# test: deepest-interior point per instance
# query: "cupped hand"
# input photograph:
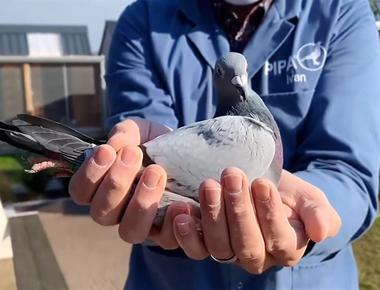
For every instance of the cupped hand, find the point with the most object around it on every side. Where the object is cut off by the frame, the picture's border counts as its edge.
(105, 179)
(259, 224)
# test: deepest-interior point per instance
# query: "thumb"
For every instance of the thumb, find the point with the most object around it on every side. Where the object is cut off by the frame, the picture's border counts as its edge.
(321, 221)
(311, 204)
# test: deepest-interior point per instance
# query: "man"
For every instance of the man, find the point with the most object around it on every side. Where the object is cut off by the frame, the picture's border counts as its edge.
(315, 65)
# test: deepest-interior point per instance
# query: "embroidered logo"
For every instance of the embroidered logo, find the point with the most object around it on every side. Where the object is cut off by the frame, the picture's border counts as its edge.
(311, 56)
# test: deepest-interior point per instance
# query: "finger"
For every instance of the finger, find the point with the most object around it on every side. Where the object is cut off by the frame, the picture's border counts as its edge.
(141, 210)
(85, 181)
(134, 131)
(320, 218)
(125, 133)
(281, 240)
(214, 220)
(245, 235)
(110, 199)
(188, 237)
(164, 236)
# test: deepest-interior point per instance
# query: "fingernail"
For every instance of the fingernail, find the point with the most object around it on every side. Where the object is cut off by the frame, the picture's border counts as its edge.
(263, 192)
(128, 156)
(183, 226)
(102, 157)
(212, 196)
(233, 183)
(151, 179)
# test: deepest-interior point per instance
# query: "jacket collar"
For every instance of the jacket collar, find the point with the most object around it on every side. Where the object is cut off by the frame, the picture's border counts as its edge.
(212, 43)
(206, 35)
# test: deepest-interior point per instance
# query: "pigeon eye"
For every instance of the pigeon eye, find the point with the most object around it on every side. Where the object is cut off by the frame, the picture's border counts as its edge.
(219, 71)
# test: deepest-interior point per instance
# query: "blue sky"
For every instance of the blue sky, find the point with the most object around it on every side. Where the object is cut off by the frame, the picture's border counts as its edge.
(92, 13)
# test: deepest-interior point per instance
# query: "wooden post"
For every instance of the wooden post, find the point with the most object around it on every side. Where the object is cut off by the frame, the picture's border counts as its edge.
(28, 89)
(5, 239)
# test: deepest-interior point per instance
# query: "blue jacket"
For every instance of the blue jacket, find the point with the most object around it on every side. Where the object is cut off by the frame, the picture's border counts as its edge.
(316, 65)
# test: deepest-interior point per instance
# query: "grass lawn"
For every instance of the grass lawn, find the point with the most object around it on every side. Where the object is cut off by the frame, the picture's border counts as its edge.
(12, 172)
(367, 251)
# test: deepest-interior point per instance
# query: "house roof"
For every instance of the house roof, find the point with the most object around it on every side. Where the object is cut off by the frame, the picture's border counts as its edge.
(107, 36)
(13, 38)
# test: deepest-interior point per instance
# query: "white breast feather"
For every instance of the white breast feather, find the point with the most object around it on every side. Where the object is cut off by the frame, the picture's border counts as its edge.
(203, 150)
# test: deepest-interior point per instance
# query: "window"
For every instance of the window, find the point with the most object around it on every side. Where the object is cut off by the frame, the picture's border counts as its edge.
(84, 105)
(49, 91)
(44, 44)
(11, 91)
(67, 91)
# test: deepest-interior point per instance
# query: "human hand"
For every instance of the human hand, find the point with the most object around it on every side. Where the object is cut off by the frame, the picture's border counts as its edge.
(263, 228)
(104, 180)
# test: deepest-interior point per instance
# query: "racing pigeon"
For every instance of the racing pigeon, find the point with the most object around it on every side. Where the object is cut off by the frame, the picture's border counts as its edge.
(243, 134)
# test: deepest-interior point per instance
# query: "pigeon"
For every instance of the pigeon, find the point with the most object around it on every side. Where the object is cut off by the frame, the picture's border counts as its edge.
(242, 133)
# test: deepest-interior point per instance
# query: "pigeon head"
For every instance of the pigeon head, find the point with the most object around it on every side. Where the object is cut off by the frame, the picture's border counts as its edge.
(231, 81)
(235, 94)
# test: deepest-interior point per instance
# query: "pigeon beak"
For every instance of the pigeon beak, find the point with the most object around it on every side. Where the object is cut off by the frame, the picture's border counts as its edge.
(240, 81)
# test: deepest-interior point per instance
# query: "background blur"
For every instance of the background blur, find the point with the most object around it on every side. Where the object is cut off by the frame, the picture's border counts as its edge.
(52, 63)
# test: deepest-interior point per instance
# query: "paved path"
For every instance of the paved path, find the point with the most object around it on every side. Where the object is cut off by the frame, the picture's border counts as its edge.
(7, 275)
(91, 257)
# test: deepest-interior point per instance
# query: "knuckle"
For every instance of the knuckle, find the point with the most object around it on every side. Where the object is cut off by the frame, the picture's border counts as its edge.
(114, 182)
(256, 270)
(290, 262)
(269, 216)
(80, 198)
(255, 261)
(213, 213)
(284, 253)
(139, 205)
(130, 237)
(239, 211)
(101, 217)
(118, 128)
(253, 267)
(276, 245)
(278, 250)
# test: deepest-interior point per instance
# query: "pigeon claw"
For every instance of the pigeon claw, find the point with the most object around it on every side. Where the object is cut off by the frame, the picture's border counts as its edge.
(41, 164)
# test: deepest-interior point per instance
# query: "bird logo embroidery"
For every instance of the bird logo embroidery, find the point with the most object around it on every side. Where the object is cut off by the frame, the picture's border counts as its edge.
(312, 56)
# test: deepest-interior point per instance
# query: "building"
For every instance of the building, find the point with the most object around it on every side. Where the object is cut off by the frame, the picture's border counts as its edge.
(44, 40)
(106, 38)
(49, 71)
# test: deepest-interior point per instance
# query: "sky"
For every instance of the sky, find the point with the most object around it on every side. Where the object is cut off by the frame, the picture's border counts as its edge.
(92, 13)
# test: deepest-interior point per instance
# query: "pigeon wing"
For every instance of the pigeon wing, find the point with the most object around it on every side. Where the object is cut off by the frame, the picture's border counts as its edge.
(57, 140)
(55, 126)
(12, 135)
